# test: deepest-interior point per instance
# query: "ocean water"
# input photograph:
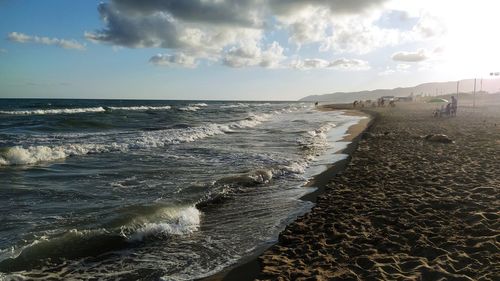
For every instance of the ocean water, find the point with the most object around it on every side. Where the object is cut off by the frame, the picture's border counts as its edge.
(170, 190)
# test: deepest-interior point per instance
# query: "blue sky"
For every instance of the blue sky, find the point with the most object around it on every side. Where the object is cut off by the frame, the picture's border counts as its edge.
(247, 49)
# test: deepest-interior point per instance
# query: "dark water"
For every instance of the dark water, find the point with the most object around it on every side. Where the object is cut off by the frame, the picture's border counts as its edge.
(168, 190)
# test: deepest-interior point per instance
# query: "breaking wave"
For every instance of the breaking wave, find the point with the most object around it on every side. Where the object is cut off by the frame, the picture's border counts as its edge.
(140, 108)
(315, 139)
(200, 104)
(189, 108)
(238, 105)
(74, 244)
(55, 111)
(174, 222)
(193, 107)
(19, 155)
(253, 178)
(84, 110)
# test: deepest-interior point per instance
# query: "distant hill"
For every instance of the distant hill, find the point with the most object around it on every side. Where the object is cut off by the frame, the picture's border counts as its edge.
(426, 89)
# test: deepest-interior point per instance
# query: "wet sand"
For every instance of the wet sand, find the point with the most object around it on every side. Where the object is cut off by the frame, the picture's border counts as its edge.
(405, 207)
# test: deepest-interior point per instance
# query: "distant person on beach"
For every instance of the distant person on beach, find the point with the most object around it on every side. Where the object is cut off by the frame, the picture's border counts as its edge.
(448, 109)
(442, 111)
(454, 105)
(316, 104)
(355, 103)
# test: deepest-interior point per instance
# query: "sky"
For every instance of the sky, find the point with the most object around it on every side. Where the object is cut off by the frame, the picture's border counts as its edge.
(240, 49)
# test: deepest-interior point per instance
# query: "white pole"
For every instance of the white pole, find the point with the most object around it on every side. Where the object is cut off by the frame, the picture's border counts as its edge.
(474, 97)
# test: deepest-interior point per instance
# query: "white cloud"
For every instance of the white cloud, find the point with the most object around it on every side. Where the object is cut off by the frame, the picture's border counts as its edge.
(253, 55)
(417, 56)
(230, 30)
(179, 59)
(153, 25)
(339, 64)
(350, 64)
(310, 64)
(19, 37)
(62, 43)
(360, 38)
(234, 32)
(306, 26)
(429, 26)
(356, 33)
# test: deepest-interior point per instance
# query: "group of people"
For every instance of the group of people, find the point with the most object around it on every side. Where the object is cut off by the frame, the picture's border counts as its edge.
(380, 103)
(450, 109)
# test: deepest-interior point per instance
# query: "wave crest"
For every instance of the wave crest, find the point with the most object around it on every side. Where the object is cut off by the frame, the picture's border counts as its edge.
(177, 222)
(140, 108)
(315, 139)
(75, 244)
(55, 111)
(189, 108)
(253, 178)
(18, 155)
(238, 105)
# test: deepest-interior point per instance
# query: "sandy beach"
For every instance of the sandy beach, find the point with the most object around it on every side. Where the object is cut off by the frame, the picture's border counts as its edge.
(406, 207)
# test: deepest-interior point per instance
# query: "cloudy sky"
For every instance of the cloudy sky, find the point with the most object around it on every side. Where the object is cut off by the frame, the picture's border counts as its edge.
(240, 49)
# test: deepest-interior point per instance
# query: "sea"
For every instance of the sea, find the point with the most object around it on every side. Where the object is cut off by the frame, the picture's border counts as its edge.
(153, 189)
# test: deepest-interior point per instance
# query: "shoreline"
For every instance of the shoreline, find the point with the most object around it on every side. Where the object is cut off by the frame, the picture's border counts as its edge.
(417, 201)
(249, 267)
(353, 135)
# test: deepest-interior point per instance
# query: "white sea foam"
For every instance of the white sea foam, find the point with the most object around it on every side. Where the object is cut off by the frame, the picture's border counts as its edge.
(189, 108)
(19, 155)
(251, 121)
(263, 104)
(174, 222)
(140, 108)
(83, 110)
(193, 107)
(55, 111)
(166, 221)
(313, 142)
(316, 138)
(201, 104)
(296, 167)
(175, 136)
(238, 105)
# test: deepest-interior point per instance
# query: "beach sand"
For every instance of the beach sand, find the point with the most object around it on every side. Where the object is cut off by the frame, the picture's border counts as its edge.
(405, 207)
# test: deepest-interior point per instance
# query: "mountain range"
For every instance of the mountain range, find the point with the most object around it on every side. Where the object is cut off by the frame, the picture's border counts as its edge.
(426, 89)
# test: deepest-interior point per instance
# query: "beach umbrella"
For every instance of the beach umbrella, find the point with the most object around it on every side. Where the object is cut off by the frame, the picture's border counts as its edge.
(438, 100)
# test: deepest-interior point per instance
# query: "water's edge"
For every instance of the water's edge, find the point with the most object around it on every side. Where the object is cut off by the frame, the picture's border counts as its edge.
(248, 268)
